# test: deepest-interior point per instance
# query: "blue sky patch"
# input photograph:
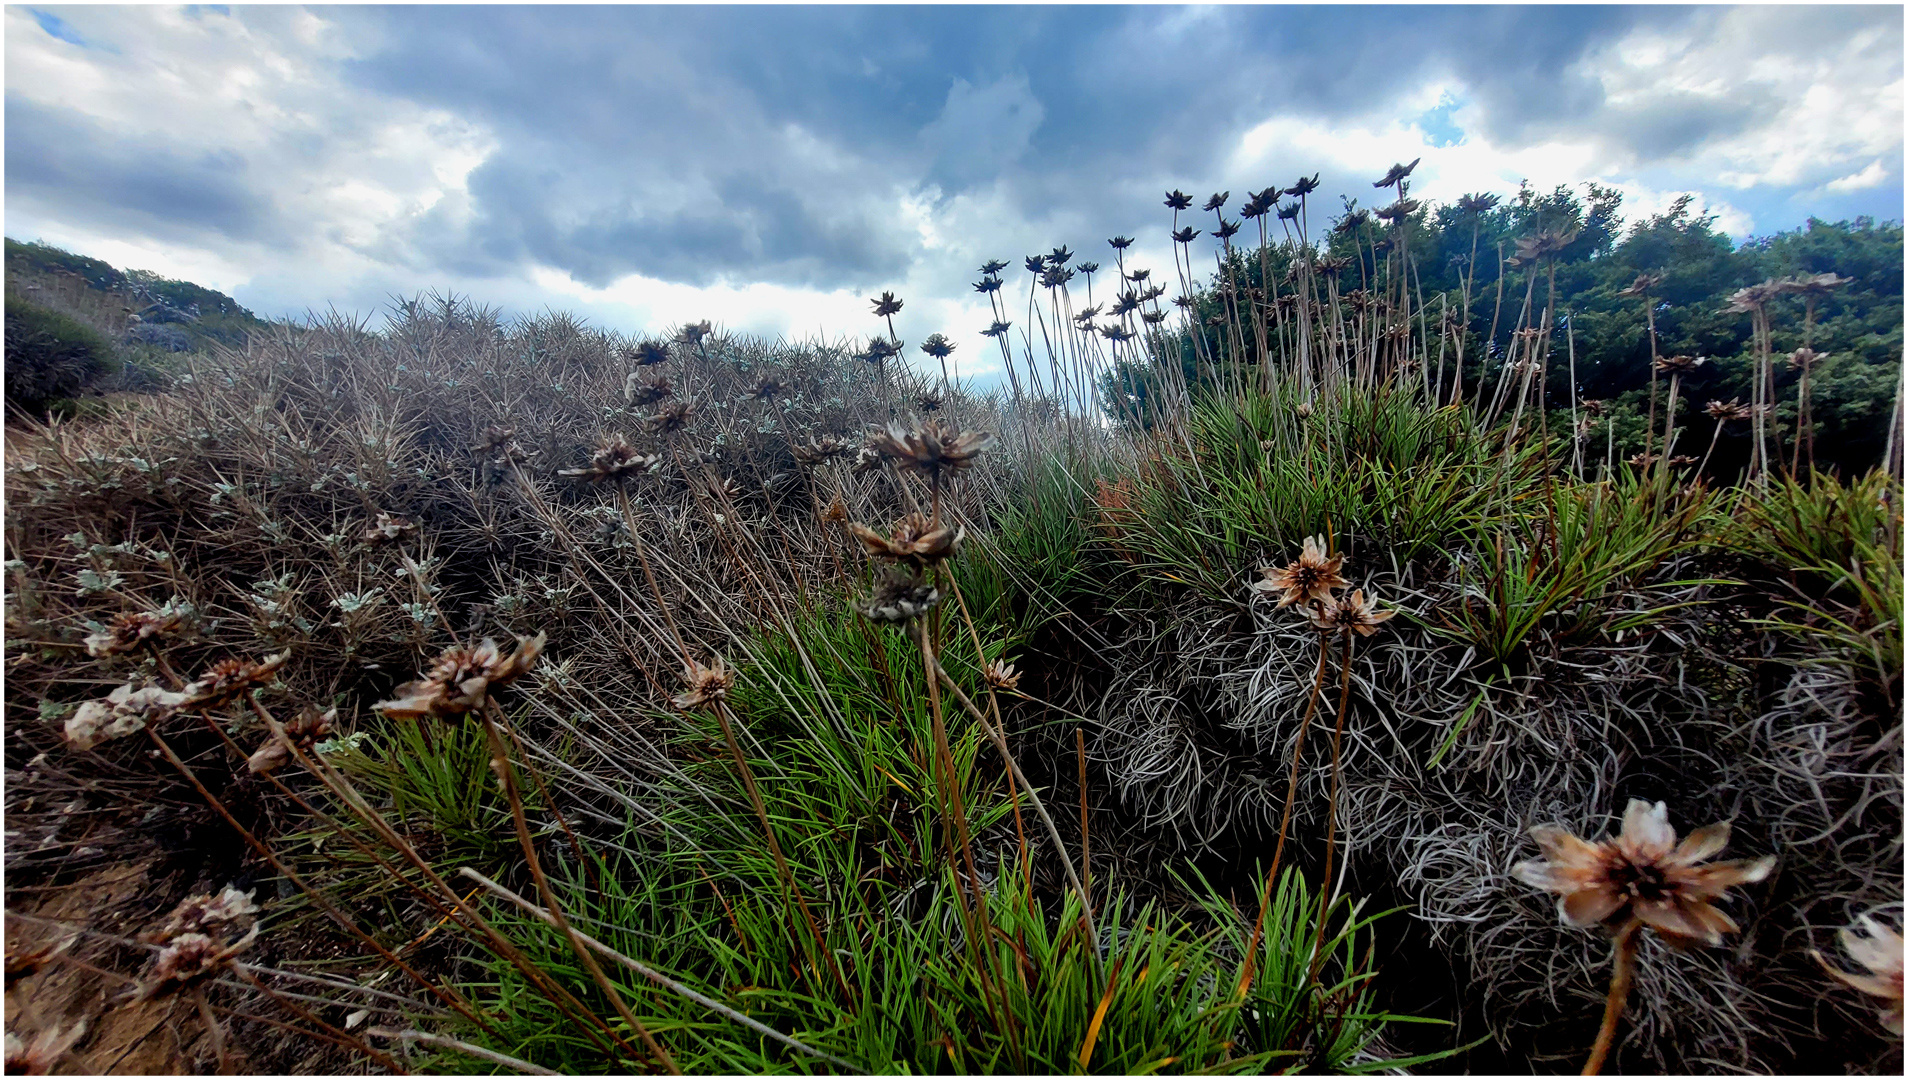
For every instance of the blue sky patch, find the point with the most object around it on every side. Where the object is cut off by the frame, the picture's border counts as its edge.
(1439, 129)
(57, 27)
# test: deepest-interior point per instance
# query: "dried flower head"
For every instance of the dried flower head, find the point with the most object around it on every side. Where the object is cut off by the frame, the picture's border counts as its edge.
(1186, 235)
(1680, 364)
(638, 390)
(1089, 268)
(914, 541)
(1312, 576)
(673, 418)
(1289, 212)
(387, 529)
(1178, 200)
(1120, 243)
(1352, 614)
(1642, 286)
(303, 731)
(1000, 675)
(987, 285)
(1643, 459)
(120, 713)
(460, 680)
(648, 353)
(898, 597)
(616, 460)
(992, 267)
(1305, 185)
(128, 630)
(1642, 874)
(819, 450)
(1396, 174)
(1805, 358)
(879, 351)
(768, 388)
(693, 333)
(886, 304)
(706, 684)
(1477, 204)
(43, 1054)
(930, 402)
(202, 911)
(996, 329)
(937, 346)
(1816, 286)
(1594, 406)
(1734, 409)
(1545, 243)
(930, 448)
(1398, 211)
(227, 679)
(837, 511)
(1754, 297)
(1878, 949)
(189, 958)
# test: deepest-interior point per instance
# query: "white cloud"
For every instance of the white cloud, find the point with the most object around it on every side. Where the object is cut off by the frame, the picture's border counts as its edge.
(1867, 178)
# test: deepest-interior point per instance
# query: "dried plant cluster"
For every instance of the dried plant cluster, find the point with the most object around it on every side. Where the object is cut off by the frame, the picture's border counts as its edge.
(817, 649)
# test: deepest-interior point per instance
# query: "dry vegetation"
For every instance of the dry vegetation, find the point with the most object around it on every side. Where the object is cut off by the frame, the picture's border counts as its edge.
(566, 702)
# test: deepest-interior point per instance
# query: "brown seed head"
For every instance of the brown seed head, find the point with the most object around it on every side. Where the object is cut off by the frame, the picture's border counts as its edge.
(931, 448)
(201, 912)
(615, 461)
(1642, 874)
(1352, 614)
(885, 305)
(640, 391)
(673, 418)
(1878, 949)
(1680, 364)
(898, 597)
(915, 541)
(819, 450)
(1310, 577)
(1001, 676)
(128, 630)
(227, 679)
(120, 713)
(387, 529)
(1642, 286)
(303, 731)
(461, 679)
(706, 684)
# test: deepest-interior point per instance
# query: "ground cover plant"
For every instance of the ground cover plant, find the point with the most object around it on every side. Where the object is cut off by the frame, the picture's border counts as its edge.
(518, 696)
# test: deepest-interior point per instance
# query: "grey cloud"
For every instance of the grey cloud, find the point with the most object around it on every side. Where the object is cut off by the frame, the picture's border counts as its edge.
(132, 182)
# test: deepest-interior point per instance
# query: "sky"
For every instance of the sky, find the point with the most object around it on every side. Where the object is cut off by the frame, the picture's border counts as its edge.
(772, 168)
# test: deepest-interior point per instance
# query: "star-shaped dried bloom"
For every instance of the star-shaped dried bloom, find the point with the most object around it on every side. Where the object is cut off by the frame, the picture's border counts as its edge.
(987, 285)
(819, 450)
(1753, 297)
(768, 388)
(1089, 268)
(1178, 200)
(648, 353)
(227, 679)
(1398, 211)
(1305, 185)
(706, 684)
(386, 529)
(303, 731)
(188, 959)
(1734, 409)
(1289, 212)
(1878, 949)
(937, 346)
(638, 390)
(460, 680)
(1186, 235)
(1805, 358)
(1642, 286)
(43, 1054)
(1396, 173)
(120, 713)
(1477, 204)
(915, 541)
(996, 329)
(1120, 243)
(930, 402)
(930, 448)
(1352, 614)
(695, 332)
(886, 304)
(616, 460)
(1000, 675)
(673, 418)
(898, 597)
(1817, 286)
(202, 911)
(1312, 576)
(1218, 200)
(1642, 874)
(1594, 406)
(1680, 364)
(128, 630)
(992, 267)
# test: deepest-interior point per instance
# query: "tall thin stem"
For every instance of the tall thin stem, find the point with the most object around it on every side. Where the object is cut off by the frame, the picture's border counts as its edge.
(1620, 978)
